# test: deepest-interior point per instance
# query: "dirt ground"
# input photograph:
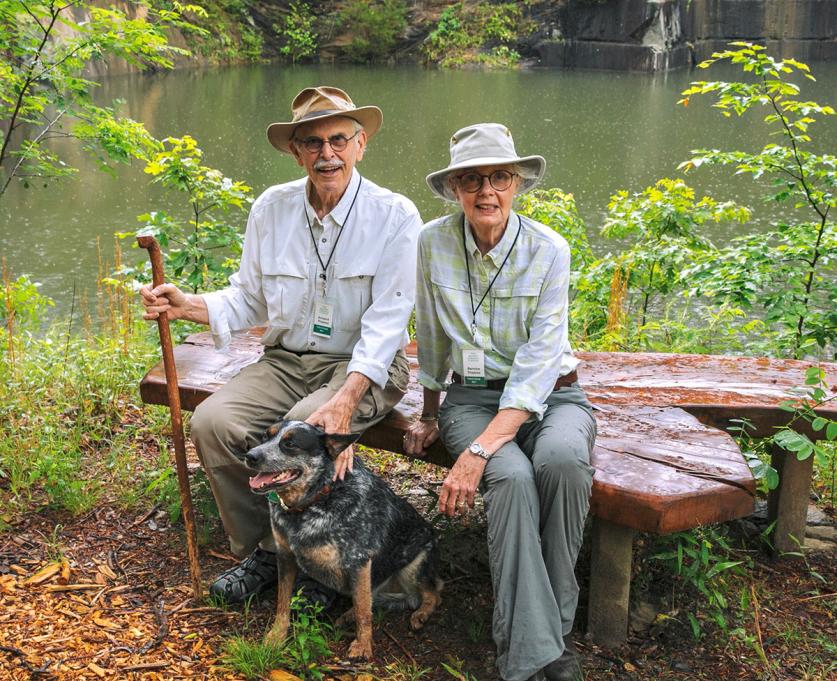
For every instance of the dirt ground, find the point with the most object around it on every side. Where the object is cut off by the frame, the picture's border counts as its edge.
(122, 608)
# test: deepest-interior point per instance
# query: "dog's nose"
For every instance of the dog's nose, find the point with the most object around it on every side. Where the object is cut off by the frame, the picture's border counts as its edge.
(254, 457)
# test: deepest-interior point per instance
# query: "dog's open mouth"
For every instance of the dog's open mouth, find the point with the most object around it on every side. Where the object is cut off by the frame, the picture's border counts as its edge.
(264, 482)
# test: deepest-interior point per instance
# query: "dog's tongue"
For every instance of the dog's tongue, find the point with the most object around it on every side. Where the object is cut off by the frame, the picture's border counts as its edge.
(264, 479)
(260, 480)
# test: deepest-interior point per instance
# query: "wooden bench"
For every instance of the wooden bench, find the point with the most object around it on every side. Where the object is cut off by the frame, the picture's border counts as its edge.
(662, 464)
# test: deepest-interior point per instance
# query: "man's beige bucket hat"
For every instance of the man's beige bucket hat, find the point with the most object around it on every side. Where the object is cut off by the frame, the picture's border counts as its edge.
(317, 103)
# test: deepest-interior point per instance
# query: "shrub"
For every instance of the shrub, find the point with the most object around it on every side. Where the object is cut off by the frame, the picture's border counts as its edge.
(787, 274)
(374, 26)
(297, 32)
(201, 251)
(480, 33)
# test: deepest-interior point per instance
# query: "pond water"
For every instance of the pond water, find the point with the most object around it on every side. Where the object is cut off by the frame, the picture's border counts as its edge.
(599, 132)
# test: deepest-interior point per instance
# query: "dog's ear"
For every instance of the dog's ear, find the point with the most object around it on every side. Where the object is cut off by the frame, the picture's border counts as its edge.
(337, 442)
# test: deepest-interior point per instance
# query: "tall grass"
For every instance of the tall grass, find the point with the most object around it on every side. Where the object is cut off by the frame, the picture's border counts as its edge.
(69, 403)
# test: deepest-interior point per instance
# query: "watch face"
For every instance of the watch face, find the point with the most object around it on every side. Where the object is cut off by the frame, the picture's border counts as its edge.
(476, 449)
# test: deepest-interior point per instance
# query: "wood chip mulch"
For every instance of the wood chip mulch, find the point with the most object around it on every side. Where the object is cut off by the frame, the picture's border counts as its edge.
(106, 595)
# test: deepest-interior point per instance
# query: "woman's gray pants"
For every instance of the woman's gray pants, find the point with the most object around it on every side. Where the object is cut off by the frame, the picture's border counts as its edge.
(537, 493)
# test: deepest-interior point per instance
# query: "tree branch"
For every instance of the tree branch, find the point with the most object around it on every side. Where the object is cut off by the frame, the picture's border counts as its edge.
(27, 81)
(21, 160)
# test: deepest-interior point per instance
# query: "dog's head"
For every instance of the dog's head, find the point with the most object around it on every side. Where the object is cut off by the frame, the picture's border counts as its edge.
(294, 455)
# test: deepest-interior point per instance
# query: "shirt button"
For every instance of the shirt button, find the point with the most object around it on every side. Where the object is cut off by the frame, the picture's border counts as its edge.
(324, 240)
(398, 293)
(312, 343)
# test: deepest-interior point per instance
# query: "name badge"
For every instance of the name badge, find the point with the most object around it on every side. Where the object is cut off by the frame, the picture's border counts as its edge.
(473, 366)
(323, 318)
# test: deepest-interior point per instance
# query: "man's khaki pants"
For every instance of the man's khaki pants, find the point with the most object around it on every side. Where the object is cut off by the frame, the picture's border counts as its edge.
(281, 385)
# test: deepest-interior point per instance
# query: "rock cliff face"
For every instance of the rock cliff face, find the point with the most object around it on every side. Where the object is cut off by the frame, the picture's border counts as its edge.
(655, 35)
(637, 35)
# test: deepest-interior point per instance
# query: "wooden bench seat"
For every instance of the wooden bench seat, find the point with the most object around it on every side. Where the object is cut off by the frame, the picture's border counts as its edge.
(659, 469)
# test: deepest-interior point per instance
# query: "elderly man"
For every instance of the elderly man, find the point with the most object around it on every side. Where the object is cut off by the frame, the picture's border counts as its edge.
(328, 267)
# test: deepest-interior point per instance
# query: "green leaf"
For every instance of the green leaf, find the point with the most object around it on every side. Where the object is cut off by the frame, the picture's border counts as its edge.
(693, 621)
(722, 566)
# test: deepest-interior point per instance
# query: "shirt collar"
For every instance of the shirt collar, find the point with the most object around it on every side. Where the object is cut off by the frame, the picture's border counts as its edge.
(341, 211)
(499, 252)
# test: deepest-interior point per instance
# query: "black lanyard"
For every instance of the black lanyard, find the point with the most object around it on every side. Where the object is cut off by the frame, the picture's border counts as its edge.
(474, 310)
(325, 264)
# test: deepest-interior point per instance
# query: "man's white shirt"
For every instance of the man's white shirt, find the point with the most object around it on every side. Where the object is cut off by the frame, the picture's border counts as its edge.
(370, 279)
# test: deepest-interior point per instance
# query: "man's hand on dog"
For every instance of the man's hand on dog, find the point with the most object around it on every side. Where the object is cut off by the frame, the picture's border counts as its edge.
(335, 416)
(460, 487)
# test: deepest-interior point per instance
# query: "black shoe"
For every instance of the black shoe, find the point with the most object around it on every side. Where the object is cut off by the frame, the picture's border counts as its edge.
(568, 666)
(315, 592)
(253, 575)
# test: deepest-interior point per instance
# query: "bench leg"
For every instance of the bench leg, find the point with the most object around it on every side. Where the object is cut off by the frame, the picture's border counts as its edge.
(787, 505)
(610, 583)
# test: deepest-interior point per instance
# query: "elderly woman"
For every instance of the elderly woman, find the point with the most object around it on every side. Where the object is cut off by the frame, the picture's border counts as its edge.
(492, 305)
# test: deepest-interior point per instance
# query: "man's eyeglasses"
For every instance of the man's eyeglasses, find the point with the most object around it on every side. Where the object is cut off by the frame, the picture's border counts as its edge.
(471, 182)
(315, 144)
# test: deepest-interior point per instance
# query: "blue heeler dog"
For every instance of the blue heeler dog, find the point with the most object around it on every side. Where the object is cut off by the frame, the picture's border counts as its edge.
(354, 535)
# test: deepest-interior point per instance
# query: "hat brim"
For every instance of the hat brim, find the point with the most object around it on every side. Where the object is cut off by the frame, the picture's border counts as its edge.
(438, 181)
(370, 117)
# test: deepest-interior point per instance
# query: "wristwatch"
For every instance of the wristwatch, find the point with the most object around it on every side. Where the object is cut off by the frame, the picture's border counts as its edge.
(476, 449)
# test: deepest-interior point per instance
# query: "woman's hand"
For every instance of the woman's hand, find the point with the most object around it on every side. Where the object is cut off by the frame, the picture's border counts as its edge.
(460, 487)
(419, 436)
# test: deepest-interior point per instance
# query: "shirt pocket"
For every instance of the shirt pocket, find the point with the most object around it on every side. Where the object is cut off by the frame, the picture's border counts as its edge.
(351, 291)
(286, 294)
(512, 311)
(452, 303)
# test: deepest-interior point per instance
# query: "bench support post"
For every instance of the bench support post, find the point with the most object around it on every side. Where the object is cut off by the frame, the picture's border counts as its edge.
(787, 505)
(610, 583)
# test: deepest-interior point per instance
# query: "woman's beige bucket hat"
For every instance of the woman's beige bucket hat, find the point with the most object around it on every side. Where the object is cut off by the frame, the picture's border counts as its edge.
(317, 103)
(484, 144)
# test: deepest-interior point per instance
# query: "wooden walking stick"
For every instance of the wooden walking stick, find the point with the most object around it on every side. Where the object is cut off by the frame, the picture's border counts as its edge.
(150, 244)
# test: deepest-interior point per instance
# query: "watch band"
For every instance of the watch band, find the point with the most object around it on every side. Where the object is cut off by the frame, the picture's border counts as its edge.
(477, 450)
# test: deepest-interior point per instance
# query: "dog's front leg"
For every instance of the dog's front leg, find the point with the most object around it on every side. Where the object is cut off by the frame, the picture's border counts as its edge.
(287, 575)
(362, 600)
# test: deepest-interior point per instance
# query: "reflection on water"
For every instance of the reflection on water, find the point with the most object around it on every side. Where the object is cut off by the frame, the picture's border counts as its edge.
(598, 131)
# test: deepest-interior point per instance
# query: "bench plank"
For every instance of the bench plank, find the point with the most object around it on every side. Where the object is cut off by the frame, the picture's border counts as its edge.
(660, 470)
(715, 388)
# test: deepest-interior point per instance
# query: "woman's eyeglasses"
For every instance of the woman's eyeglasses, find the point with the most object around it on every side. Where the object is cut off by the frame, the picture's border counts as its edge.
(471, 182)
(315, 144)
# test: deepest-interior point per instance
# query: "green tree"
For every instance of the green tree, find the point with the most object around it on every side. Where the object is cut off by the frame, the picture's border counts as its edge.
(557, 210)
(297, 32)
(664, 223)
(789, 273)
(480, 32)
(202, 251)
(374, 26)
(621, 297)
(44, 95)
